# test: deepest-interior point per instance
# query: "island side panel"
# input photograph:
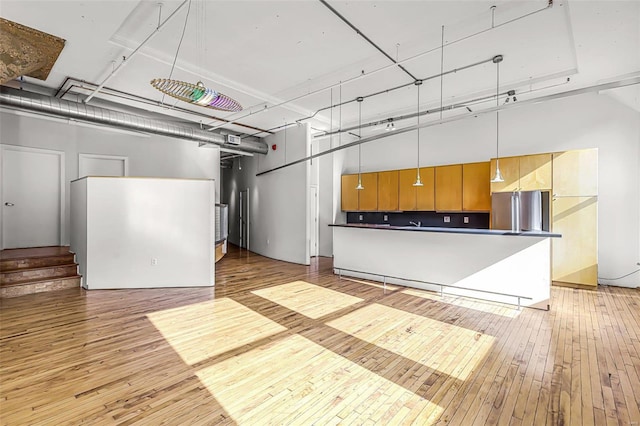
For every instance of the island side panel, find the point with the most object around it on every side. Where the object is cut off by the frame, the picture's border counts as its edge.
(509, 264)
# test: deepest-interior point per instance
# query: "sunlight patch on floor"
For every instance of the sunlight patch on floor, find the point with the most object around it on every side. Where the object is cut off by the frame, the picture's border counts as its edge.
(295, 380)
(203, 330)
(307, 299)
(441, 346)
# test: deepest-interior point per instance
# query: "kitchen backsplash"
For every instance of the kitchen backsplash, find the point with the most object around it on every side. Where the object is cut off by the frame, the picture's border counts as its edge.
(455, 220)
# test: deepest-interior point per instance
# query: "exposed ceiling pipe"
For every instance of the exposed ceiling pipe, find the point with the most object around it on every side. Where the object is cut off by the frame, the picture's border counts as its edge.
(384, 68)
(361, 34)
(126, 59)
(590, 89)
(34, 102)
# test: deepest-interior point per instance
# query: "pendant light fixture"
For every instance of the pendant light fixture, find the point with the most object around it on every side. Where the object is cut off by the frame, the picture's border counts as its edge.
(360, 187)
(498, 176)
(418, 182)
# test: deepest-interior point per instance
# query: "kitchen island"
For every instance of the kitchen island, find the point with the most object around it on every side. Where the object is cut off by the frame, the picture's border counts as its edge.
(496, 265)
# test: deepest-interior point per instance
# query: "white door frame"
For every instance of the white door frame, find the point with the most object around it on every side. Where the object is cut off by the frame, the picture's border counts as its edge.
(62, 181)
(104, 157)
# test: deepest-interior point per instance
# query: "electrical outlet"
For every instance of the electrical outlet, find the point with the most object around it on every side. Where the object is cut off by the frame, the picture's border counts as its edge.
(386, 218)
(154, 261)
(447, 219)
(360, 217)
(466, 219)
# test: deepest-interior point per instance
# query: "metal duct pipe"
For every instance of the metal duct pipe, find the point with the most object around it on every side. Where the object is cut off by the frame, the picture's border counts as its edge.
(82, 112)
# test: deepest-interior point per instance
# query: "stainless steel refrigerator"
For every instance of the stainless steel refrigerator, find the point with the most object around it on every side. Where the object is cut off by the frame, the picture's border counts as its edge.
(520, 211)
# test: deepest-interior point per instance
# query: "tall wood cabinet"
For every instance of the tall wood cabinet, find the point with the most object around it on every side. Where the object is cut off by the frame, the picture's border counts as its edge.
(575, 216)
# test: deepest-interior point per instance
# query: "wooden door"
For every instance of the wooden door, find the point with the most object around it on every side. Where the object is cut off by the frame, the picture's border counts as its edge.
(575, 255)
(368, 197)
(476, 188)
(535, 172)
(425, 194)
(407, 194)
(349, 193)
(388, 191)
(575, 173)
(510, 169)
(449, 188)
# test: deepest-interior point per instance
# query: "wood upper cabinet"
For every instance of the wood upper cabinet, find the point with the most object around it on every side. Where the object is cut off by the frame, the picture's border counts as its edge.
(388, 191)
(524, 173)
(510, 169)
(575, 173)
(476, 190)
(426, 200)
(416, 198)
(407, 194)
(349, 193)
(448, 188)
(368, 197)
(535, 172)
(575, 255)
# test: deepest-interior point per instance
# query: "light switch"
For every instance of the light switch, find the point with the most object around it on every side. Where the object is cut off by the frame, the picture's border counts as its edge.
(466, 219)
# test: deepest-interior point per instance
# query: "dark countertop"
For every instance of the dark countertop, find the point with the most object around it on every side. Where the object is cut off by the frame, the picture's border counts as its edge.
(450, 230)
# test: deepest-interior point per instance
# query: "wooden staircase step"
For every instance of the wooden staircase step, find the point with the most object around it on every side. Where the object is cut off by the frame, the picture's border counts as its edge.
(21, 289)
(13, 264)
(24, 275)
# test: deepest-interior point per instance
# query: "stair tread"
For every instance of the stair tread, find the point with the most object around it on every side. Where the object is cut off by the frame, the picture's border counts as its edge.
(34, 252)
(8, 271)
(26, 282)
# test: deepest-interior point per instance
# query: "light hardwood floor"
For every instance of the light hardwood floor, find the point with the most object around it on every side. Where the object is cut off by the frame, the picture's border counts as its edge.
(277, 343)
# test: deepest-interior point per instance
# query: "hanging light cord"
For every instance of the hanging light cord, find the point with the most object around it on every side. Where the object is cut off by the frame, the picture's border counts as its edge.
(184, 29)
(418, 162)
(497, 106)
(359, 136)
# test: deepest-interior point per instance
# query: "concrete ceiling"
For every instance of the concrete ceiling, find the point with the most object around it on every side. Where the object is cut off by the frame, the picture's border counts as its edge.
(266, 53)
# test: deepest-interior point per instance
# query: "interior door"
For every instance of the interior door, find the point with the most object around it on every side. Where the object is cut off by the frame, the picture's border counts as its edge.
(102, 165)
(32, 194)
(244, 218)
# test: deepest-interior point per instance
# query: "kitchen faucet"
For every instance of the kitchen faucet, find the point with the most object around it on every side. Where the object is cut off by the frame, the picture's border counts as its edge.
(419, 224)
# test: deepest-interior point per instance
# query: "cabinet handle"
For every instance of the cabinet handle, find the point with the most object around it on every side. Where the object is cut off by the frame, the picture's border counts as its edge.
(9, 204)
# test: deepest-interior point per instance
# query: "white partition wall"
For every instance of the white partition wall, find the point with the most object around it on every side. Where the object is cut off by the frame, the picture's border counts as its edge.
(143, 232)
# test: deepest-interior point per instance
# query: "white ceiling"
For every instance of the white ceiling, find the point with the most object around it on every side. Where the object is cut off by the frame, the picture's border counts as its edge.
(266, 53)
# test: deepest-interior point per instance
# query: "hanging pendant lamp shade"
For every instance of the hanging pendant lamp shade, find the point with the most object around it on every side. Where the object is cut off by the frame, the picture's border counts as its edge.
(498, 176)
(418, 181)
(360, 187)
(196, 94)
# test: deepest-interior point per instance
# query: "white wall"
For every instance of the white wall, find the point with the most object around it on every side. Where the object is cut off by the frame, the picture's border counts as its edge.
(279, 201)
(584, 121)
(150, 155)
(144, 232)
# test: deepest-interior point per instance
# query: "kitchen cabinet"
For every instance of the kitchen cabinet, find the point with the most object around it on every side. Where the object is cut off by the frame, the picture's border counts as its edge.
(388, 191)
(575, 173)
(349, 193)
(575, 255)
(448, 191)
(476, 189)
(510, 169)
(416, 198)
(535, 172)
(365, 199)
(523, 173)
(368, 197)
(425, 194)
